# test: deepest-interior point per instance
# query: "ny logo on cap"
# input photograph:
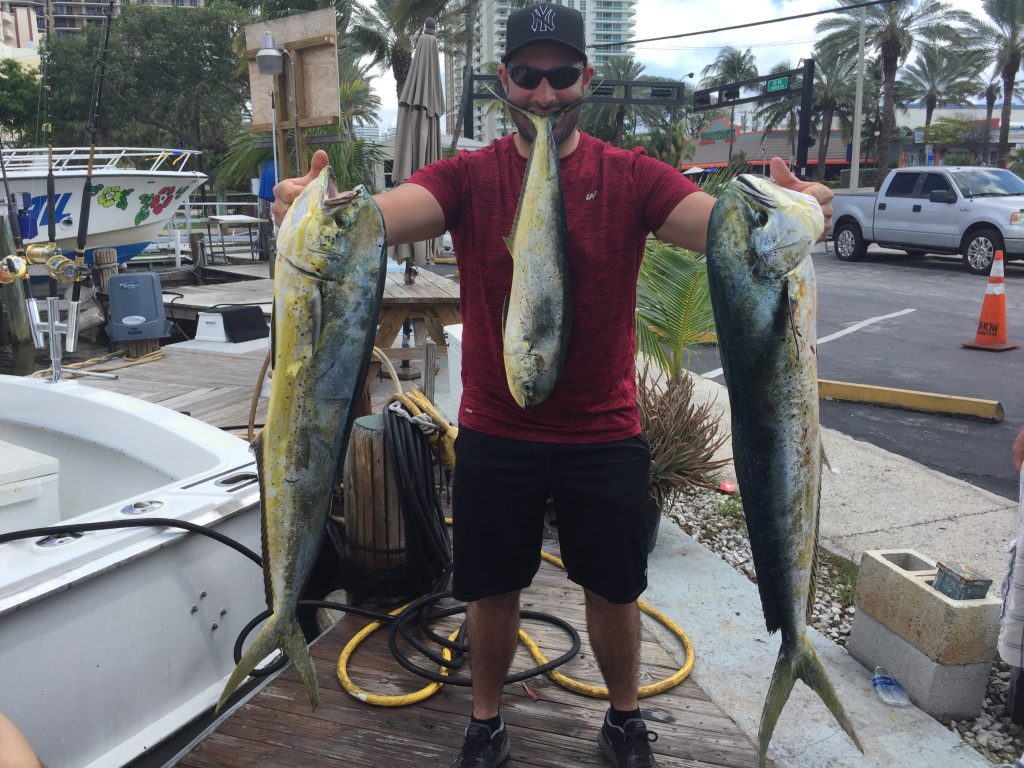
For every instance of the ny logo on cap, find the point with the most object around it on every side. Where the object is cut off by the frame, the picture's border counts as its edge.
(543, 19)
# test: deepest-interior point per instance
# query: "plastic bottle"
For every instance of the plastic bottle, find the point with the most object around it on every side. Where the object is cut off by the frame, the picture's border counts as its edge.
(889, 689)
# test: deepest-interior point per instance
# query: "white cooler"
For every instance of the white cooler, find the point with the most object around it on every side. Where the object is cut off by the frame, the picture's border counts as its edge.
(454, 336)
(29, 496)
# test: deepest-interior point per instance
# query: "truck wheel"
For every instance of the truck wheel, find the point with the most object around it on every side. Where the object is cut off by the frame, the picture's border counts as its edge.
(979, 250)
(849, 242)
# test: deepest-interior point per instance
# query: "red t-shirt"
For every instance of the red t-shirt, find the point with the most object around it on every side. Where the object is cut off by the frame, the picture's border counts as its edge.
(613, 199)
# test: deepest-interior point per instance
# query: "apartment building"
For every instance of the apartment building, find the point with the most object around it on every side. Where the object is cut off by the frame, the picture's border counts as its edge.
(72, 16)
(607, 21)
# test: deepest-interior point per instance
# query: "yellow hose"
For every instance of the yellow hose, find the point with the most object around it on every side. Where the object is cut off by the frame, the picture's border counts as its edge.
(566, 682)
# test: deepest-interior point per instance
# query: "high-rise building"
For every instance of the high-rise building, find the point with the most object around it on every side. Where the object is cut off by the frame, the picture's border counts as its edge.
(607, 21)
(72, 16)
(19, 34)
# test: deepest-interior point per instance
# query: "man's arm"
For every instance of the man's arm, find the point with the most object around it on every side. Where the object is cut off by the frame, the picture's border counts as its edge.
(410, 212)
(687, 225)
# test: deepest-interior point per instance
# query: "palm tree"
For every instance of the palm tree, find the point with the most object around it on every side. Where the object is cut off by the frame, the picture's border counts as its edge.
(775, 111)
(893, 30)
(730, 66)
(834, 79)
(359, 104)
(387, 31)
(611, 119)
(941, 80)
(1004, 37)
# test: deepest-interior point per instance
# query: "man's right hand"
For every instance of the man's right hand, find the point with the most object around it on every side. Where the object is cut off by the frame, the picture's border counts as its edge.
(286, 190)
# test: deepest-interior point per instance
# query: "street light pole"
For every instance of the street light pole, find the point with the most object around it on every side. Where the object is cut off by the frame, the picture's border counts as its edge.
(858, 108)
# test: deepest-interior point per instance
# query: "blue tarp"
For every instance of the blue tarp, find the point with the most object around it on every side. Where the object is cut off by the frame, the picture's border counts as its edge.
(267, 180)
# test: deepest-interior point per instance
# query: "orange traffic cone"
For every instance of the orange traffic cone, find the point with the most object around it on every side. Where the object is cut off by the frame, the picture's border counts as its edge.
(992, 325)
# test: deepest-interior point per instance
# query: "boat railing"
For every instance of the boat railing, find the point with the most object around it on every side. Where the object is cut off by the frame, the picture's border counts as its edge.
(68, 159)
(195, 217)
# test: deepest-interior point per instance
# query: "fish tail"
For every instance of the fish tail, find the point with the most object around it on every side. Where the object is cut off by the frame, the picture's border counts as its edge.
(271, 638)
(798, 660)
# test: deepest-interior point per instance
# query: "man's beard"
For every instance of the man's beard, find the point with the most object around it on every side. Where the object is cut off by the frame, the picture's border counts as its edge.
(564, 126)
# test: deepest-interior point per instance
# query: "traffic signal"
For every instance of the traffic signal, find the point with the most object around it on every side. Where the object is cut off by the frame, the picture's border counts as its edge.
(662, 93)
(702, 98)
(604, 90)
(731, 93)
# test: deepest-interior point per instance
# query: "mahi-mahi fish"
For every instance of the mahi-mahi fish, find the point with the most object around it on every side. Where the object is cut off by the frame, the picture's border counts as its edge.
(764, 301)
(328, 282)
(538, 310)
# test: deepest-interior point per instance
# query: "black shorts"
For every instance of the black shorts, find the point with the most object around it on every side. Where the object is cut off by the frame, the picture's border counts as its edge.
(602, 504)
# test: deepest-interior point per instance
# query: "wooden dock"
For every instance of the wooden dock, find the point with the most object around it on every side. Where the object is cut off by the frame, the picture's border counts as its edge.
(553, 728)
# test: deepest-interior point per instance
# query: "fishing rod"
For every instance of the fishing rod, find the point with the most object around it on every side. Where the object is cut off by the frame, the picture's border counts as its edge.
(83, 218)
(13, 266)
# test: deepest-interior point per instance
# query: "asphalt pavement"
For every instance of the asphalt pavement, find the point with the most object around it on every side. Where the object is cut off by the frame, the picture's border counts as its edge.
(898, 321)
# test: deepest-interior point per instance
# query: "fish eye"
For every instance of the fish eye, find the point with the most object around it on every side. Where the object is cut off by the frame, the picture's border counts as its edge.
(762, 218)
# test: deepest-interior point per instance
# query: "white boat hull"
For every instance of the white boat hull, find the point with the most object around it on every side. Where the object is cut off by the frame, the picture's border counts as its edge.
(114, 641)
(128, 208)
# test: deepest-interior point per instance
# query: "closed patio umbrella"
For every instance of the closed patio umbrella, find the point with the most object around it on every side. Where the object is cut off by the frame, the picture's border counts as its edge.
(418, 134)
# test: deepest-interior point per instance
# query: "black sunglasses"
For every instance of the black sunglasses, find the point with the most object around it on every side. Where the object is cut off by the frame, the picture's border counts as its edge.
(558, 78)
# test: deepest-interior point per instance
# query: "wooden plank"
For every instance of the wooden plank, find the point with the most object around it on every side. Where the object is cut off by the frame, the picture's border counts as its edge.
(555, 730)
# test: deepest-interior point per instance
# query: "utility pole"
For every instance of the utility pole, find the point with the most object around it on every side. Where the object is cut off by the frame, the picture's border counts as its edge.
(858, 108)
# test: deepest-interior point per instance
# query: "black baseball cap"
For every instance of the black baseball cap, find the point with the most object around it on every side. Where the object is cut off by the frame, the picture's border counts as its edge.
(544, 22)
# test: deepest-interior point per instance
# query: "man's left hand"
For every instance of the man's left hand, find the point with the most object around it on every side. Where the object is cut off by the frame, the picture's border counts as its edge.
(782, 176)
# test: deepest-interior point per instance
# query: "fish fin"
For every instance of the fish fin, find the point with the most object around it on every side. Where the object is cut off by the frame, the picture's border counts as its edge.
(791, 311)
(815, 553)
(298, 653)
(798, 660)
(273, 637)
(504, 313)
(257, 449)
(315, 314)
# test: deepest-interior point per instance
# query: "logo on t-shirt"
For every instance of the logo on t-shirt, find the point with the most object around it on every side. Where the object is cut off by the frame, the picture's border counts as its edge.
(543, 19)
(591, 195)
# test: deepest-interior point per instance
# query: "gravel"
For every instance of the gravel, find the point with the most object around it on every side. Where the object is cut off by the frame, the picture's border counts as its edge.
(716, 521)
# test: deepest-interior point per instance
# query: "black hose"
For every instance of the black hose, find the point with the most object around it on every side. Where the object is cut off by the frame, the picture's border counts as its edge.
(427, 547)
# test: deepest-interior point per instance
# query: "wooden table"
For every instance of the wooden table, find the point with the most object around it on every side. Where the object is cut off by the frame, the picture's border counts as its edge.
(431, 303)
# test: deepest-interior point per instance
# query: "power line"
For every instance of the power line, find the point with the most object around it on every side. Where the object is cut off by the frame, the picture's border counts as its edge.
(843, 9)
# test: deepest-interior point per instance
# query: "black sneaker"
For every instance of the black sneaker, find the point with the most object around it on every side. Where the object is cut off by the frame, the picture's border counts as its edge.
(629, 746)
(482, 749)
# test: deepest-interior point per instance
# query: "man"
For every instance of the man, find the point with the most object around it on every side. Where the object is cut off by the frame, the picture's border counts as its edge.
(582, 445)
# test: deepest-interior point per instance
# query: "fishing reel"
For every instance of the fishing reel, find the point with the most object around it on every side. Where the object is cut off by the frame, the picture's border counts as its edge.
(65, 270)
(12, 268)
(40, 253)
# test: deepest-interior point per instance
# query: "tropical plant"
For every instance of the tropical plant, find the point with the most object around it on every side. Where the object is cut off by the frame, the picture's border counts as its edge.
(1003, 36)
(353, 160)
(18, 100)
(941, 79)
(387, 31)
(358, 102)
(892, 29)
(834, 84)
(613, 121)
(673, 307)
(684, 437)
(776, 111)
(730, 66)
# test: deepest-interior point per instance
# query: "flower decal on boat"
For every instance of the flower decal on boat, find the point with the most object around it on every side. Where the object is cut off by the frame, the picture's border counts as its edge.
(112, 196)
(154, 203)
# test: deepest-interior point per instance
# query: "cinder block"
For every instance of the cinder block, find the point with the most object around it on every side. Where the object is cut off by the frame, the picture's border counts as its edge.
(944, 691)
(894, 587)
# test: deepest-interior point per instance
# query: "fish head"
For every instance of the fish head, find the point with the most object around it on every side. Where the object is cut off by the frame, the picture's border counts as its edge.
(780, 225)
(322, 223)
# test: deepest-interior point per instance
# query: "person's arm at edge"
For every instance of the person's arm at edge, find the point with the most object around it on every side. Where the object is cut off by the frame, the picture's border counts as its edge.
(687, 225)
(410, 212)
(1018, 451)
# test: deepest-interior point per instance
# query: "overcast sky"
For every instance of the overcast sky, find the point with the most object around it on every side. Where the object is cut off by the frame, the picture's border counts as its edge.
(787, 41)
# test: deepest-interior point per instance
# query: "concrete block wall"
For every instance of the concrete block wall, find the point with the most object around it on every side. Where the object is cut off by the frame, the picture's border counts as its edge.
(940, 649)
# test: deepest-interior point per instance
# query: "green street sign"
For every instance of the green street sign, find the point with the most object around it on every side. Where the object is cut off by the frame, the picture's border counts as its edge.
(778, 84)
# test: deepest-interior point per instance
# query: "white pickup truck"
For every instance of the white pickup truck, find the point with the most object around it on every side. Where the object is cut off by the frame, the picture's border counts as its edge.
(973, 211)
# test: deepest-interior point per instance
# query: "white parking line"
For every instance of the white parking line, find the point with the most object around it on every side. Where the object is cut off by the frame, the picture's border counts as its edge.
(855, 327)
